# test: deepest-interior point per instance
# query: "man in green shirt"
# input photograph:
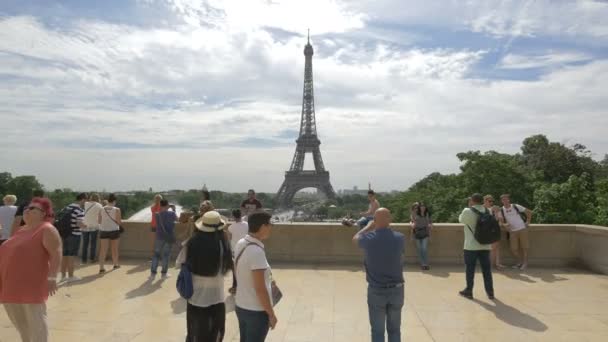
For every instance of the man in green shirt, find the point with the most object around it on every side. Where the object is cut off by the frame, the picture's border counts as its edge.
(474, 251)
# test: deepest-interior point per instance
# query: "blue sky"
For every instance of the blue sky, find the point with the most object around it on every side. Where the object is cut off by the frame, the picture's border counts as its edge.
(177, 93)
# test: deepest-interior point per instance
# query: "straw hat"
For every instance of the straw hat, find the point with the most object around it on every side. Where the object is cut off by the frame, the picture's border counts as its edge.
(210, 222)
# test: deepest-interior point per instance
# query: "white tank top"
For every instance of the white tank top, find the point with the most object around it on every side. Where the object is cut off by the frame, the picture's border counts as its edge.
(108, 215)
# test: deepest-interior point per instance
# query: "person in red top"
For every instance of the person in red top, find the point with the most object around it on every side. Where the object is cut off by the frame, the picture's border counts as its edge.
(29, 262)
(154, 209)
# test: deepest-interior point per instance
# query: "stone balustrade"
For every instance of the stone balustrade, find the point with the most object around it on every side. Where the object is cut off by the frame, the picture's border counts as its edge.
(551, 245)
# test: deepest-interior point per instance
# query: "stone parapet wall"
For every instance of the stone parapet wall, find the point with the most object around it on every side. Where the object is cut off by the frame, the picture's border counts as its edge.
(551, 245)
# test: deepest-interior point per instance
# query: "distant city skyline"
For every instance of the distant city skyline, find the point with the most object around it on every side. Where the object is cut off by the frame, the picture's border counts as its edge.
(171, 94)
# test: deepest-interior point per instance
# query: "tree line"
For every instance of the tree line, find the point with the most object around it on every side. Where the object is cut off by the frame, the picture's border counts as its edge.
(562, 184)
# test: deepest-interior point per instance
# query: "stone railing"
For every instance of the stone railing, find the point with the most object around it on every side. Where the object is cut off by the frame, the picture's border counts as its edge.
(551, 245)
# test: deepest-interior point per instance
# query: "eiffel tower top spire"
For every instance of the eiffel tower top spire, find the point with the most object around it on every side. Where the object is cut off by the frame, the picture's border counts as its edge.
(308, 126)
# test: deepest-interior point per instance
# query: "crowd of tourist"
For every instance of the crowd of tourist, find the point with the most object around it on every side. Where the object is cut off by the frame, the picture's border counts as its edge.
(49, 244)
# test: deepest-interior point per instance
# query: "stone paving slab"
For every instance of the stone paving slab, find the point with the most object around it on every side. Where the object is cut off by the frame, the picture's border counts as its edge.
(328, 303)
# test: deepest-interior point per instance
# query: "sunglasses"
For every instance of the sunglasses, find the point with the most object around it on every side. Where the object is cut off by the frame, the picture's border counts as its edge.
(31, 207)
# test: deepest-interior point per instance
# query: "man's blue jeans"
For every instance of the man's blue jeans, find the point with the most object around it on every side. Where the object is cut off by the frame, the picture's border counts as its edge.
(86, 238)
(253, 325)
(470, 262)
(162, 250)
(364, 221)
(385, 311)
(422, 246)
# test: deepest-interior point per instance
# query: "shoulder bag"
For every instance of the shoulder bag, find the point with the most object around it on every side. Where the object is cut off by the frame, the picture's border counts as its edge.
(277, 294)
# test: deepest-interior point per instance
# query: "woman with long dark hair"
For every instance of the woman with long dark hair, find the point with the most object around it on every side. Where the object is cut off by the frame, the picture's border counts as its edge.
(209, 258)
(421, 229)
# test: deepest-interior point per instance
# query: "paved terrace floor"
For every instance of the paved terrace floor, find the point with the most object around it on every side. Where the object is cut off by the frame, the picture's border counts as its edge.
(327, 303)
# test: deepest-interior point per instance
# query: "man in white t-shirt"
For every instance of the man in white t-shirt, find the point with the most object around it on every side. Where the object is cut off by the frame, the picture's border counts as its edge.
(511, 217)
(254, 306)
(92, 208)
(236, 232)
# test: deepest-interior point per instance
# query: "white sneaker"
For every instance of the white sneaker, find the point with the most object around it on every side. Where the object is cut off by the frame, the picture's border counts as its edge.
(73, 279)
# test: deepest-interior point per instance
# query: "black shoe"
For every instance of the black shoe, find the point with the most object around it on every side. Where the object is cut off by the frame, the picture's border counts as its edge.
(102, 271)
(491, 296)
(116, 267)
(466, 294)
(428, 268)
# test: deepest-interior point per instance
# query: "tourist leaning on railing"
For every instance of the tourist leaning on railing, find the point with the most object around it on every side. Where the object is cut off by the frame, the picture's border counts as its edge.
(422, 226)
(29, 263)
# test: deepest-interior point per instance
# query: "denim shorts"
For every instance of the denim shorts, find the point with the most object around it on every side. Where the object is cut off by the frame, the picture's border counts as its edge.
(71, 244)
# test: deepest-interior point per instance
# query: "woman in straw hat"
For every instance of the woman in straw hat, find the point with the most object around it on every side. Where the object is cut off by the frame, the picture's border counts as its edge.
(209, 257)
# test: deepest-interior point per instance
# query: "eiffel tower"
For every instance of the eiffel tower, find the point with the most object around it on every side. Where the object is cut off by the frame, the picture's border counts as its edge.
(297, 178)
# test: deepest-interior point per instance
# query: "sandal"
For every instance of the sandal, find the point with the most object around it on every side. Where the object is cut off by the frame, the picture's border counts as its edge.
(102, 270)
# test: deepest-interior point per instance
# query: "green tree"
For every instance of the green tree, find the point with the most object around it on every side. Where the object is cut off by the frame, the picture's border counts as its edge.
(495, 173)
(568, 202)
(5, 179)
(553, 162)
(23, 186)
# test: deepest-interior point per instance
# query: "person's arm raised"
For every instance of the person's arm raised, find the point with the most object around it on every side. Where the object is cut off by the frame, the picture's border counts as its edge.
(371, 226)
(259, 284)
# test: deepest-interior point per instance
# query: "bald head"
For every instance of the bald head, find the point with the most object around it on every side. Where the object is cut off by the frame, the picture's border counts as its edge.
(382, 218)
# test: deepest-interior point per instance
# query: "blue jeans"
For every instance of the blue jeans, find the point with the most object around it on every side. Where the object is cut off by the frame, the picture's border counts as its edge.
(362, 222)
(385, 311)
(253, 325)
(86, 237)
(470, 261)
(162, 249)
(422, 246)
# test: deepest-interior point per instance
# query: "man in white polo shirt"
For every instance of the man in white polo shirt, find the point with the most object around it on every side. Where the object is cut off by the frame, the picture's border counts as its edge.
(518, 229)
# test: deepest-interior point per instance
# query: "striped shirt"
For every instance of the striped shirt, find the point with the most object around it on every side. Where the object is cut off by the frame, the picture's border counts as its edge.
(77, 216)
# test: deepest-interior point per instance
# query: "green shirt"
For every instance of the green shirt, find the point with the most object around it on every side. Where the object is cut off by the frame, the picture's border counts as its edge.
(469, 219)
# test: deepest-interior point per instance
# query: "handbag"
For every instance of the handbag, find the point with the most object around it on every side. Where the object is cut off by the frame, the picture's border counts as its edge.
(184, 282)
(276, 292)
(421, 233)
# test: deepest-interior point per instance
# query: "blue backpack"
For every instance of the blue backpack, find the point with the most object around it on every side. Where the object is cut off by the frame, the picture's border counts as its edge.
(184, 282)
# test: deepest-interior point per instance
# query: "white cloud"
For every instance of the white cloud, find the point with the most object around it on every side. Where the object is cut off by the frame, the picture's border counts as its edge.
(527, 18)
(551, 59)
(215, 98)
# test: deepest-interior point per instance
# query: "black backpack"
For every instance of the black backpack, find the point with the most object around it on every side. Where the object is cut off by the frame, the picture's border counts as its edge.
(487, 230)
(63, 221)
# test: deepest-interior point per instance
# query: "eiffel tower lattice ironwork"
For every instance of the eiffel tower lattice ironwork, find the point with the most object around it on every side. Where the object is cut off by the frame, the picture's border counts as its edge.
(297, 178)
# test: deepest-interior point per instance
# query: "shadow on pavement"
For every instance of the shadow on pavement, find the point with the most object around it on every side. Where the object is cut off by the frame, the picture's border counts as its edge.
(512, 316)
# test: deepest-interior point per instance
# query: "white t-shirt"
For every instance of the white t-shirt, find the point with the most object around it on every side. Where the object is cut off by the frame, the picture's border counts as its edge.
(513, 219)
(7, 216)
(238, 230)
(91, 216)
(253, 258)
(207, 290)
(108, 217)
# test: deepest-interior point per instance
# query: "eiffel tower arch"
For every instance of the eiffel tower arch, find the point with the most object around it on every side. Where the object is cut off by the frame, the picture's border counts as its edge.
(297, 178)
